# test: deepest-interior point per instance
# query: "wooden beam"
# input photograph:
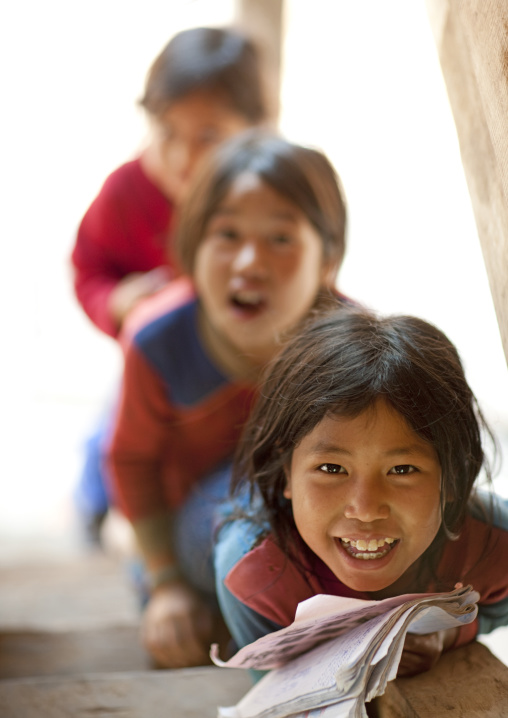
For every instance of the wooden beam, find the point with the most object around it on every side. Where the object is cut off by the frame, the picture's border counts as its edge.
(469, 682)
(184, 693)
(472, 41)
(263, 20)
(26, 654)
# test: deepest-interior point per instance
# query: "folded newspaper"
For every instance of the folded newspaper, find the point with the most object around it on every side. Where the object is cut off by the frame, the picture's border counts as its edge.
(339, 653)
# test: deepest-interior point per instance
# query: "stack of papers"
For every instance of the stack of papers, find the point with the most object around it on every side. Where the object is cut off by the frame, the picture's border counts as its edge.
(339, 653)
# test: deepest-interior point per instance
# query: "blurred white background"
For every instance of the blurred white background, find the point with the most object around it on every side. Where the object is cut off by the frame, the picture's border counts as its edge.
(361, 81)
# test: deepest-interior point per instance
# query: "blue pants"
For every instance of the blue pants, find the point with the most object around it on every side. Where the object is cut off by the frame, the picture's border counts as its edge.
(192, 528)
(235, 539)
(91, 495)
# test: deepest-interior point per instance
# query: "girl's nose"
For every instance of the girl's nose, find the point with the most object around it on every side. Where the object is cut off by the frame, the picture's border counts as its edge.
(250, 259)
(366, 502)
(183, 157)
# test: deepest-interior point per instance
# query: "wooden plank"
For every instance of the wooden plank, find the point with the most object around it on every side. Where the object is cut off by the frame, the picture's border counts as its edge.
(40, 653)
(263, 20)
(469, 682)
(62, 617)
(186, 693)
(472, 42)
(89, 592)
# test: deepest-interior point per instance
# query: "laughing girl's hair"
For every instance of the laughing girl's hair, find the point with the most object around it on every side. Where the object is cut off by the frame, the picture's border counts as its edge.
(223, 61)
(341, 364)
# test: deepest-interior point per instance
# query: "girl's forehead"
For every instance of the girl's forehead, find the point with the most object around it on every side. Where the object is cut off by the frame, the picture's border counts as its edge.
(248, 186)
(379, 422)
(200, 105)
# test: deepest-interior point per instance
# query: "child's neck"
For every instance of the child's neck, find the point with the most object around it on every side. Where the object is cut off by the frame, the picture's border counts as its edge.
(227, 357)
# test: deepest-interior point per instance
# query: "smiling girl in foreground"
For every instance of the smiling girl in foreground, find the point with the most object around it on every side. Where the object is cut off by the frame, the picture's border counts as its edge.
(362, 453)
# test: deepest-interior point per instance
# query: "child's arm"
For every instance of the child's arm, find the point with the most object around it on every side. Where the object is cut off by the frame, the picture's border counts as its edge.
(131, 289)
(235, 539)
(122, 236)
(136, 450)
(488, 546)
(492, 616)
(491, 574)
(176, 624)
(103, 288)
(422, 652)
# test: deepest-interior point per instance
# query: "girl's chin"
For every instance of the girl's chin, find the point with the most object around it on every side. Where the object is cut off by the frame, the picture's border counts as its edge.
(375, 586)
(253, 348)
(366, 575)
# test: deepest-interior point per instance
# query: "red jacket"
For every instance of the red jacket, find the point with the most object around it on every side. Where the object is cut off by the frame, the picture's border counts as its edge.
(124, 230)
(178, 415)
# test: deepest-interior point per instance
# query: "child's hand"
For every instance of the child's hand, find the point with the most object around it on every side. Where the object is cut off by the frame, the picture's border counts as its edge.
(421, 653)
(176, 627)
(134, 287)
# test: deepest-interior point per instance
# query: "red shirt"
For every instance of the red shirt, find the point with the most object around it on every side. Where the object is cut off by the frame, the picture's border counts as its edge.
(179, 416)
(271, 584)
(124, 230)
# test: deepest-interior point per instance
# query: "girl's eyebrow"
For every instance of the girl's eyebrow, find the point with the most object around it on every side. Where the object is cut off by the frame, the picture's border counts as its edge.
(422, 449)
(414, 449)
(325, 447)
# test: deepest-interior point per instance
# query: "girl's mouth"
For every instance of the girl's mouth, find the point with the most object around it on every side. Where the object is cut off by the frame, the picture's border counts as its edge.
(368, 550)
(249, 302)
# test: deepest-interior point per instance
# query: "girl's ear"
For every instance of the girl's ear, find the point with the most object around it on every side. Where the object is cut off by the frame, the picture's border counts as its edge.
(287, 487)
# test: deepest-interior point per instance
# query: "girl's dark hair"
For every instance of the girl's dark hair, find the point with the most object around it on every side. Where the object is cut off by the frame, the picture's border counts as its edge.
(203, 58)
(303, 176)
(340, 364)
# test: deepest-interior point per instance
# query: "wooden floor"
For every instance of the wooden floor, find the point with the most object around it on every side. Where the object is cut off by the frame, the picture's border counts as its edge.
(186, 693)
(69, 646)
(467, 683)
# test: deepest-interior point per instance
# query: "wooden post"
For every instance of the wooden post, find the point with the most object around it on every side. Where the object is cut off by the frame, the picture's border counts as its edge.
(263, 20)
(472, 41)
(466, 683)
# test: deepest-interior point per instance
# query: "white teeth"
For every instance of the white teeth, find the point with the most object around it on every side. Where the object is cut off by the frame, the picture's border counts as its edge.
(371, 545)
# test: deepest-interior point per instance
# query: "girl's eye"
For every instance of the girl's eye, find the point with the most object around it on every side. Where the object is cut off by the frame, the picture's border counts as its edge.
(209, 136)
(332, 469)
(281, 239)
(403, 469)
(227, 233)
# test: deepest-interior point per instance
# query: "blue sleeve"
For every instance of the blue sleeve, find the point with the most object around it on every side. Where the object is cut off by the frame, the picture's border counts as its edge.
(235, 539)
(493, 615)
